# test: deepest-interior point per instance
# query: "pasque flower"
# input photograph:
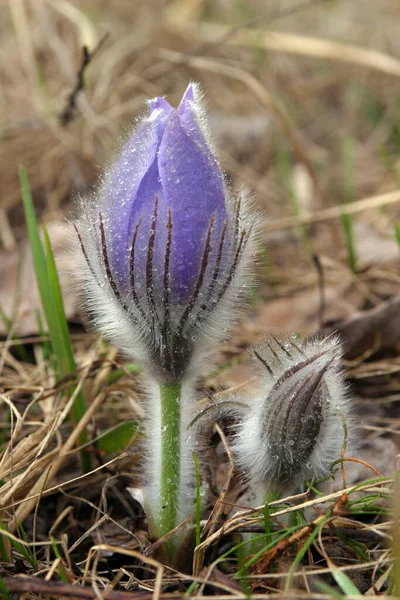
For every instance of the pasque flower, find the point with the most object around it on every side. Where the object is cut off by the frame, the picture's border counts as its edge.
(164, 252)
(165, 243)
(294, 429)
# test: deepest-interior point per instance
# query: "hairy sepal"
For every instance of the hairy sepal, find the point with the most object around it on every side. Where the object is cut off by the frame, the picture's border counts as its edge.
(258, 460)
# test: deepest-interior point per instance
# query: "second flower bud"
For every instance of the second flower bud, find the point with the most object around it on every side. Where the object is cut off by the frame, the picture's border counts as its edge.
(294, 430)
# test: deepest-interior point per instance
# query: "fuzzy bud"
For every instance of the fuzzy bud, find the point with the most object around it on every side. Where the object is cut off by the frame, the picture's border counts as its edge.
(164, 244)
(294, 431)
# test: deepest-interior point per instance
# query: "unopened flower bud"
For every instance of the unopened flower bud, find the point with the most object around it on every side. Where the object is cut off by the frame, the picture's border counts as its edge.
(294, 431)
(164, 243)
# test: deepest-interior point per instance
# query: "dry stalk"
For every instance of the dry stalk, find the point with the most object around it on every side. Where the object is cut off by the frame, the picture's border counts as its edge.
(278, 41)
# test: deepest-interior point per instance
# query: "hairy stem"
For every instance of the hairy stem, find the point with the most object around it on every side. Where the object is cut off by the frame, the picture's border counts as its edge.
(170, 394)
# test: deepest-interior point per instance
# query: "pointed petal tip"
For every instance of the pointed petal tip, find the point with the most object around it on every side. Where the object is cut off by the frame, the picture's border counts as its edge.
(159, 103)
(189, 97)
(314, 371)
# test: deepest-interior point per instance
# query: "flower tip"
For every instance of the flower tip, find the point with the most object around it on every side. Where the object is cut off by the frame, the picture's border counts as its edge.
(311, 375)
(159, 103)
(190, 96)
(312, 371)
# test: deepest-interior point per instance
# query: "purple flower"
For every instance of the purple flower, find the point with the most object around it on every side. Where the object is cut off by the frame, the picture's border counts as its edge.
(165, 243)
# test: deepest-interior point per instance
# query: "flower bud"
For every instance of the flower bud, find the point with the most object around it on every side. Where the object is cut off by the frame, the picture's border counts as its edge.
(164, 243)
(295, 430)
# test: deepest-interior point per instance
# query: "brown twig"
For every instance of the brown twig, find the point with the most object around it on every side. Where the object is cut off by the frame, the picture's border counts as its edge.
(22, 585)
(70, 108)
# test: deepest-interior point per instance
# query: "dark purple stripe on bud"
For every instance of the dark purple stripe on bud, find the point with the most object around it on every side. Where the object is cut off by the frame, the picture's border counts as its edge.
(293, 415)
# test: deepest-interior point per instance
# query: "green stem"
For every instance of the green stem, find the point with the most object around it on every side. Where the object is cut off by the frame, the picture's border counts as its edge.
(170, 394)
(267, 495)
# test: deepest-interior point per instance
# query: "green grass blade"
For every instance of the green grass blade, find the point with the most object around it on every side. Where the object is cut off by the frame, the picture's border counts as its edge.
(118, 437)
(23, 549)
(6, 321)
(118, 373)
(324, 588)
(242, 572)
(79, 407)
(349, 196)
(345, 583)
(46, 346)
(267, 523)
(40, 265)
(190, 589)
(255, 557)
(397, 233)
(61, 572)
(347, 224)
(3, 548)
(67, 357)
(26, 551)
(358, 547)
(348, 169)
(4, 593)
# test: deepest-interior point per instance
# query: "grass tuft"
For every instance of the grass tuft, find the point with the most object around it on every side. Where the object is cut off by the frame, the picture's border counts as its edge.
(52, 303)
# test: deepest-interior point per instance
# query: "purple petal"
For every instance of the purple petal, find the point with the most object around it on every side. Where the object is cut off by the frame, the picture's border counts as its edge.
(159, 103)
(132, 182)
(193, 188)
(191, 121)
(188, 96)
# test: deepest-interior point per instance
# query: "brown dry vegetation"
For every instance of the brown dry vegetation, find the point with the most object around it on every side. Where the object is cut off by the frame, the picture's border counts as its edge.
(304, 100)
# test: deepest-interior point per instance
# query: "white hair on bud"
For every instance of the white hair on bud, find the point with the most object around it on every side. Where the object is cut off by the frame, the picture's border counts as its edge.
(285, 364)
(106, 312)
(200, 110)
(228, 310)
